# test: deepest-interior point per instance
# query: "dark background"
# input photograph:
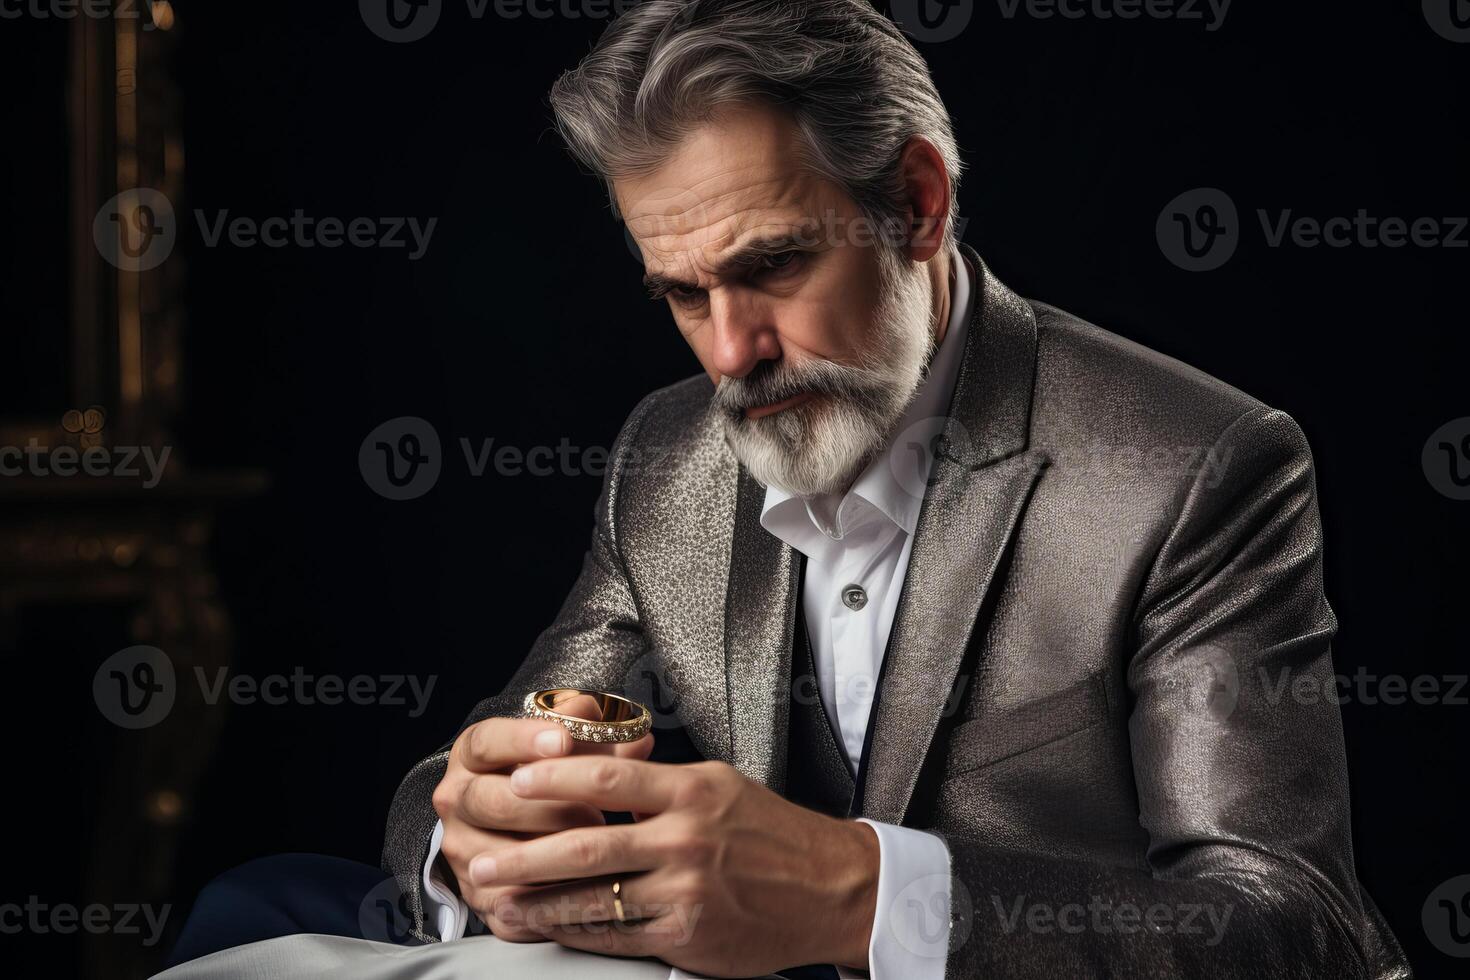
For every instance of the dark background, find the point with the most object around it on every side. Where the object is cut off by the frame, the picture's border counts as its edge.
(526, 322)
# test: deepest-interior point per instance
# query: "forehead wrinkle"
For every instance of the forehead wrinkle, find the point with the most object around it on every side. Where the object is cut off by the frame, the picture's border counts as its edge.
(713, 211)
(743, 248)
(702, 234)
(740, 233)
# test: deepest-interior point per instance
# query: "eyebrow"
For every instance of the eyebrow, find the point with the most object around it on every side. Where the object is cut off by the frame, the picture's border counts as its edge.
(745, 255)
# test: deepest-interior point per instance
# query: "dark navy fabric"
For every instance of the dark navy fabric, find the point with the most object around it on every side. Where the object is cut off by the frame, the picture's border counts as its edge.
(291, 894)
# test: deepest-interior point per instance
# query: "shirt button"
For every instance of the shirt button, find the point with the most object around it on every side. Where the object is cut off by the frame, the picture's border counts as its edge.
(854, 598)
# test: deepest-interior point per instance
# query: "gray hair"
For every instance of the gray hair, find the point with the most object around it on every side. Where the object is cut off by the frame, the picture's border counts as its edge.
(855, 87)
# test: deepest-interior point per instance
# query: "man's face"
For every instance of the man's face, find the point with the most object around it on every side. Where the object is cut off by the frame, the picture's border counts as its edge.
(814, 332)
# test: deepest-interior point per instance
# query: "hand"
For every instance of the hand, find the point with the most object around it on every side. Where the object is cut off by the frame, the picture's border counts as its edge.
(482, 816)
(727, 878)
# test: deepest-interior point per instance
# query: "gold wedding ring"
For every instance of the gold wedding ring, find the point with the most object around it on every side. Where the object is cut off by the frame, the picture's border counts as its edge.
(620, 720)
(617, 889)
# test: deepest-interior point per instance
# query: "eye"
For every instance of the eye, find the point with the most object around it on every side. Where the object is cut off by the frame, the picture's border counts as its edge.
(686, 295)
(781, 263)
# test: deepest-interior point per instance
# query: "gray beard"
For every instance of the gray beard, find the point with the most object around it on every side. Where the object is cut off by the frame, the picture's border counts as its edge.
(820, 446)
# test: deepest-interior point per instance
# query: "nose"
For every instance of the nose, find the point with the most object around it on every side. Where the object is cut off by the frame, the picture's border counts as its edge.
(744, 332)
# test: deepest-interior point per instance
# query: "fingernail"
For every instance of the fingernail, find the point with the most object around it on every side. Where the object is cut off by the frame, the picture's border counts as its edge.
(520, 780)
(482, 869)
(549, 742)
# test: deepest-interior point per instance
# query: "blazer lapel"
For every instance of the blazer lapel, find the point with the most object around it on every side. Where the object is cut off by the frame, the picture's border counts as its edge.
(981, 480)
(760, 613)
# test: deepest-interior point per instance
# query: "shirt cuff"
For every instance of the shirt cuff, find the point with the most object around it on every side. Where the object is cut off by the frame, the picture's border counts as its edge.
(446, 910)
(911, 923)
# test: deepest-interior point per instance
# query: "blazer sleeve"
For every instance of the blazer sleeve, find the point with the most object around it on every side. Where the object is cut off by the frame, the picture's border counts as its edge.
(1238, 761)
(592, 643)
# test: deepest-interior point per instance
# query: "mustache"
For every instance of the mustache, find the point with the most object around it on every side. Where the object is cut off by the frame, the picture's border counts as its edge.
(775, 381)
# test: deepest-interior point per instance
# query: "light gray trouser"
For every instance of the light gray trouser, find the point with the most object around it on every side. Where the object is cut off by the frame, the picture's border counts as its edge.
(471, 958)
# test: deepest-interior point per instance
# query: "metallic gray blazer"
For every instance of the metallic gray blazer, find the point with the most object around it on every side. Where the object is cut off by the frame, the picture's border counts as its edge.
(1117, 563)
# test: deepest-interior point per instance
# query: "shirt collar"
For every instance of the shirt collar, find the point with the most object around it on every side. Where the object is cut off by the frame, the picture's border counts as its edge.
(891, 485)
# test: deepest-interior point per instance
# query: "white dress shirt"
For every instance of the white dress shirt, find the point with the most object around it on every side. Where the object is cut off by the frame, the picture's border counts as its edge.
(857, 546)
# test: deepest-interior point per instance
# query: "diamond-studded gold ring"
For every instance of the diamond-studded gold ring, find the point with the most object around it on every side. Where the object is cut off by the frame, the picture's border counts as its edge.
(619, 719)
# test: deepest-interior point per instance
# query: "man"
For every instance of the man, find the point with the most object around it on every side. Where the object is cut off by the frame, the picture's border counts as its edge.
(966, 618)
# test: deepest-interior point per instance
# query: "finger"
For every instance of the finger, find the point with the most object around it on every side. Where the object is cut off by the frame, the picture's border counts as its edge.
(607, 938)
(462, 843)
(498, 909)
(588, 901)
(487, 801)
(499, 743)
(581, 853)
(608, 784)
(583, 706)
(588, 707)
(639, 750)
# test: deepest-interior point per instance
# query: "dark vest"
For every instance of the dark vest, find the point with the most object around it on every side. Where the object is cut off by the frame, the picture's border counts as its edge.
(817, 774)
